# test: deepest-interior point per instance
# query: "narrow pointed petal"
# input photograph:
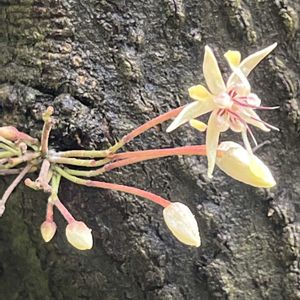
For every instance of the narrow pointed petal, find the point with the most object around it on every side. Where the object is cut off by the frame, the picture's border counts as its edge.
(212, 140)
(233, 58)
(212, 74)
(250, 62)
(200, 93)
(238, 78)
(191, 111)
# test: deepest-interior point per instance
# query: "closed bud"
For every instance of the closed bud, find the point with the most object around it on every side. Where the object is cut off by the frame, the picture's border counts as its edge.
(48, 229)
(182, 223)
(9, 133)
(13, 134)
(243, 166)
(79, 235)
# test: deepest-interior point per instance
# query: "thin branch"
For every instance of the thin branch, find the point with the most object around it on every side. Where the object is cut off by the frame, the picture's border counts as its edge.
(43, 176)
(141, 129)
(48, 122)
(11, 188)
(116, 187)
(129, 158)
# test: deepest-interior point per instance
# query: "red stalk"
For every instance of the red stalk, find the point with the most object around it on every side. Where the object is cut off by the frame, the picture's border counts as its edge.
(128, 189)
(153, 122)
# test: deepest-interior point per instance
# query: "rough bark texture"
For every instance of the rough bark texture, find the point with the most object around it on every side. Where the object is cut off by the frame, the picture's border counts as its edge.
(108, 66)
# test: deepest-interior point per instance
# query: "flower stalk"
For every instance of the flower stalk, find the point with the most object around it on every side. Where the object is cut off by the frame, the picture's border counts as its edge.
(48, 122)
(116, 187)
(11, 188)
(232, 106)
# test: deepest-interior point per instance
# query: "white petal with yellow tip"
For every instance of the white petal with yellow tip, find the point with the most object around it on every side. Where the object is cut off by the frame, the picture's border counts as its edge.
(243, 166)
(212, 73)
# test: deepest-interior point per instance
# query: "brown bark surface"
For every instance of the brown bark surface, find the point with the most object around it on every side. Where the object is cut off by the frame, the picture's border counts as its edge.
(108, 66)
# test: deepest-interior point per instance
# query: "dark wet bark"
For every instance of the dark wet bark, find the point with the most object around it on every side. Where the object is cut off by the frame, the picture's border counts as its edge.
(108, 66)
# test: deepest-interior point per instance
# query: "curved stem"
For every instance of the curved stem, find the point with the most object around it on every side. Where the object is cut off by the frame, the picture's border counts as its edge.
(141, 129)
(11, 188)
(124, 140)
(129, 158)
(46, 129)
(116, 187)
(63, 210)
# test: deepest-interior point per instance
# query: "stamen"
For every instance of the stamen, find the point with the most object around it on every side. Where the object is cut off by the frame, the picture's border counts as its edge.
(245, 124)
(253, 106)
(266, 124)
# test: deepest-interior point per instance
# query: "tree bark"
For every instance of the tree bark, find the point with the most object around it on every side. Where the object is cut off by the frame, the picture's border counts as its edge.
(108, 66)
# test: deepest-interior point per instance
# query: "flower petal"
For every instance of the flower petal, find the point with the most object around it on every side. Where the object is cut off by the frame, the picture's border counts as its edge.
(212, 74)
(233, 57)
(251, 117)
(212, 140)
(200, 93)
(191, 111)
(238, 78)
(236, 162)
(200, 126)
(250, 62)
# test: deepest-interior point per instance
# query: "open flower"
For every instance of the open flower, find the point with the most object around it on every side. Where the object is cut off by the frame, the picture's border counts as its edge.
(232, 105)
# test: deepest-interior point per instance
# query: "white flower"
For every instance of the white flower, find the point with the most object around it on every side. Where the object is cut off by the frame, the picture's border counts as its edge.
(79, 235)
(236, 162)
(48, 229)
(182, 223)
(231, 105)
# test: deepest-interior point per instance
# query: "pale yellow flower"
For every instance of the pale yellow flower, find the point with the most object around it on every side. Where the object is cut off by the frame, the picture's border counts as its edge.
(236, 162)
(231, 105)
(48, 229)
(182, 223)
(79, 235)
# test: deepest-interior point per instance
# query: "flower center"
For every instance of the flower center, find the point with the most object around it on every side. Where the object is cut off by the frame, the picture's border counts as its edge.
(223, 100)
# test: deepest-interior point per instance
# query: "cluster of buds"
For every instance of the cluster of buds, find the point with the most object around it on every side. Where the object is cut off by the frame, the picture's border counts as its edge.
(232, 105)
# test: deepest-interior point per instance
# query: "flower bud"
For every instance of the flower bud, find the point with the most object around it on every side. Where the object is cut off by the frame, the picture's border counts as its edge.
(182, 223)
(48, 229)
(238, 163)
(13, 134)
(9, 132)
(79, 235)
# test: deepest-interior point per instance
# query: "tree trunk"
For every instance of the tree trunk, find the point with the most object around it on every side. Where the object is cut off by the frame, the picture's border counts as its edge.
(108, 66)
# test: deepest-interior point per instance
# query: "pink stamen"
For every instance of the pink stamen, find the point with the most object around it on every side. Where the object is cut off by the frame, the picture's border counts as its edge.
(253, 106)
(221, 112)
(238, 117)
(232, 93)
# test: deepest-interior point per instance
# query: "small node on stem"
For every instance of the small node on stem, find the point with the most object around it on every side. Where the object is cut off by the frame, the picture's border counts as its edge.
(48, 113)
(31, 184)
